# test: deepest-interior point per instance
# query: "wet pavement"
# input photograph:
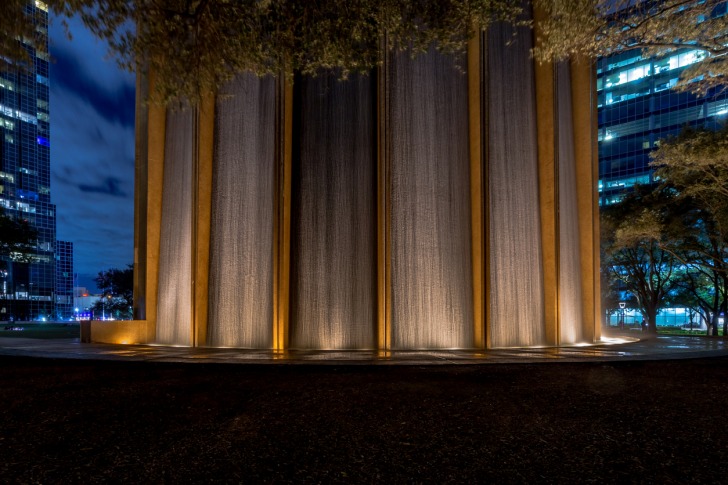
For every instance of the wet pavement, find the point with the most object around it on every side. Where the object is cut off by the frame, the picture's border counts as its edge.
(613, 348)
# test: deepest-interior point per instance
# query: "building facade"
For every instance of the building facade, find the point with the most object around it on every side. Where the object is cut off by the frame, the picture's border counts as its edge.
(28, 290)
(64, 280)
(638, 107)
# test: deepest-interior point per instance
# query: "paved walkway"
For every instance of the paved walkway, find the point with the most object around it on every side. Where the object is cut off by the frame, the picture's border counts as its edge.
(612, 349)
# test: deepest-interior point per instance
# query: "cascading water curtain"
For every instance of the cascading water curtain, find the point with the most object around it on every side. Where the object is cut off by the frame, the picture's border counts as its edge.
(333, 228)
(241, 249)
(174, 317)
(516, 285)
(430, 203)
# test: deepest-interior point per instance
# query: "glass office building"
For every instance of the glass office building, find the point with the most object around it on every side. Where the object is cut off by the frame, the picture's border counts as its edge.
(64, 280)
(638, 108)
(28, 290)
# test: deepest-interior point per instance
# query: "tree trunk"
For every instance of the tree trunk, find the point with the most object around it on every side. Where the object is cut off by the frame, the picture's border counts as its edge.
(714, 325)
(649, 325)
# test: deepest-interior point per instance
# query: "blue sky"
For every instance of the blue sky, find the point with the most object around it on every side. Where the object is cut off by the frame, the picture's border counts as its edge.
(92, 151)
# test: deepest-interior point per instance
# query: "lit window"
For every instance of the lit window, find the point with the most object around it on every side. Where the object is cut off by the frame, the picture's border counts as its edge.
(5, 84)
(18, 115)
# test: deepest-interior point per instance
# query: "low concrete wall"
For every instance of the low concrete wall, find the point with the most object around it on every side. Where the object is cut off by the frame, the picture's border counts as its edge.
(115, 332)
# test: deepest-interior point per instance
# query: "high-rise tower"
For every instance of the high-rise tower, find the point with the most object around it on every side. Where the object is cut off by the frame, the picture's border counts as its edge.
(27, 290)
(638, 108)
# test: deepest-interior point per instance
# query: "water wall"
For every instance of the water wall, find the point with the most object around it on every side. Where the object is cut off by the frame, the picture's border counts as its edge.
(516, 286)
(241, 246)
(430, 204)
(570, 306)
(373, 174)
(175, 253)
(334, 213)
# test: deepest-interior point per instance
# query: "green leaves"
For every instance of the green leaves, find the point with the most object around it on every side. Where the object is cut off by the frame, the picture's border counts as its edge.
(194, 46)
(601, 28)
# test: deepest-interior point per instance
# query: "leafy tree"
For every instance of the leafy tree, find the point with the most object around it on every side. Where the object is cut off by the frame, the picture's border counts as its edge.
(117, 283)
(117, 297)
(17, 238)
(111, 307)
(634, 254)
(601, 28)
(695, 163)
(196, 45)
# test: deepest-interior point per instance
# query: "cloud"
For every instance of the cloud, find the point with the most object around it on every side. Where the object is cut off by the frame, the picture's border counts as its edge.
(92, 151)
(114, 103)
(110, 186)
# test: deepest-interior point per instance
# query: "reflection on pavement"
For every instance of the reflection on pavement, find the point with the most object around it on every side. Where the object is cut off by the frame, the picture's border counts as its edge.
(610, 348)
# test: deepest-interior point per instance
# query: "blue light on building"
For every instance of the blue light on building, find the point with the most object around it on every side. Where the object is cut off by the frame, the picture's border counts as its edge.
(29, 291)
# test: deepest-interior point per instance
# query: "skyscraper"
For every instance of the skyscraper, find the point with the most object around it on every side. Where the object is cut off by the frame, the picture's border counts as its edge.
(64, 280)
(28, 289)
(638, 108)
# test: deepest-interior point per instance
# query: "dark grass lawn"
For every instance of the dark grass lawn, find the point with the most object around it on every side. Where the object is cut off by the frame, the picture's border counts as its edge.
(40, 330)
(70, 421)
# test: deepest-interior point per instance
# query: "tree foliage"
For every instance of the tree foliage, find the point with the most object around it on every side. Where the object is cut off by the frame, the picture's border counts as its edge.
(196, 45)
(117, 293)
(659, 27)
(116, 282)
(695, 163)
(633, 249)
(684, 216)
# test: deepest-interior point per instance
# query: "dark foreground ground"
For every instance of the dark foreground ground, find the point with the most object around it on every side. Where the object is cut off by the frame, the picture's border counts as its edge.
(81, 421)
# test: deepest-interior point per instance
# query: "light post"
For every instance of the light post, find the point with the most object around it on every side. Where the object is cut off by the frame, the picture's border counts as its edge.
(103, 305)
(622, 304)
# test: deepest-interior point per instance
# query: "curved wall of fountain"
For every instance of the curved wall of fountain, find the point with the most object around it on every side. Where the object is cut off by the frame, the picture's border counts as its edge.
(380, 204)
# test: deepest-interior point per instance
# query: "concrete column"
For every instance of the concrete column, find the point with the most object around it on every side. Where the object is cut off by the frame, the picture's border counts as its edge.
(384, 274)
(282, 214)
(548, 181)
(141, 149)
(202, 217)
(478, 222)
(156, 128)
(584, 112)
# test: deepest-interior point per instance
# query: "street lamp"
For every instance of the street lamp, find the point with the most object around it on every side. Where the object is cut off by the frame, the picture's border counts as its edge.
(622, 304)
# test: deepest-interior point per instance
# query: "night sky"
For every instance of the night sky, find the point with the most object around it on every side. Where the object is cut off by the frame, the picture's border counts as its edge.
(92, 151)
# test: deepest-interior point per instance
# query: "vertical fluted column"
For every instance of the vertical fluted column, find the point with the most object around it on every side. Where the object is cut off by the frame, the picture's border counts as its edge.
(584, 113)
(384, 274)
(157, 116)
(478, 221)
(547, 126)
(282, 214)
(141, 150)
(202, 216)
